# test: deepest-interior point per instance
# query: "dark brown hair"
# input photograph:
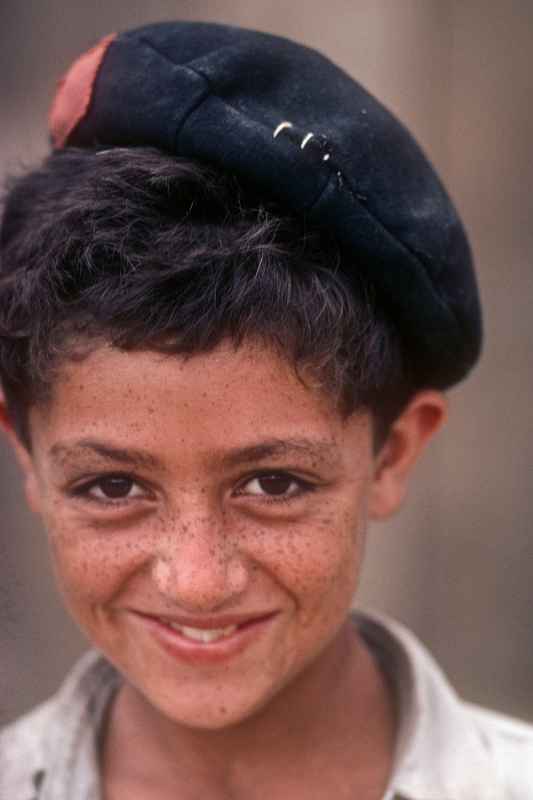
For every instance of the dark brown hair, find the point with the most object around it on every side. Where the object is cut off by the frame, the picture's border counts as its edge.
(147, 251)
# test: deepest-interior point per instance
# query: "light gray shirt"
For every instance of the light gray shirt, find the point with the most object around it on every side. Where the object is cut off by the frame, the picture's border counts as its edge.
(446, 750)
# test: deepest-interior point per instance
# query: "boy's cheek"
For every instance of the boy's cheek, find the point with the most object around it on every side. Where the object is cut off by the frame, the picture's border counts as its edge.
(87, 569)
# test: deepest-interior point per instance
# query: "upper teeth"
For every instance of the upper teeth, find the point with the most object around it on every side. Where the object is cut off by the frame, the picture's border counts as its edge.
(200, 634)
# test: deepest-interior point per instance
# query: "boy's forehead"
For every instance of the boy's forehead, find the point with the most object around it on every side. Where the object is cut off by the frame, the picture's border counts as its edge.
(287, 120)
(118, 405)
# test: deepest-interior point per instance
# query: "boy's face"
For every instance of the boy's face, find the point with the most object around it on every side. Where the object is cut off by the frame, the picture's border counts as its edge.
(218, 495)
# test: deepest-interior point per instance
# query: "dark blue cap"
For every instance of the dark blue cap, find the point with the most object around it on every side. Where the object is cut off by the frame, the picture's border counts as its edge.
(289, 121)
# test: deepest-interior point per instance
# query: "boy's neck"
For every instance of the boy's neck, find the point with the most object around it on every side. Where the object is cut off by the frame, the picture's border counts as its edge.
(331, 730)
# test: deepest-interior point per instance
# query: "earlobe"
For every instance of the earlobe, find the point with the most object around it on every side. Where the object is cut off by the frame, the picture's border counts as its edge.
(22, 455)
(5, 422)
(407, 438)
(8, 429)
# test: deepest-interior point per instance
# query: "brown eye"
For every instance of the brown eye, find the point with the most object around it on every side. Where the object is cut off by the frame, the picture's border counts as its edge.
(114, 487)
(277, 484)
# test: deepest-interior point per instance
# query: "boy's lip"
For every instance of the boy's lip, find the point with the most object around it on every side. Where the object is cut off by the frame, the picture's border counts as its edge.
(215, 622)
(225, 636)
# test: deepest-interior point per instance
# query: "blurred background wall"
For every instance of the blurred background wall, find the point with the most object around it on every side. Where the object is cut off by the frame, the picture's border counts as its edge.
(457, 564)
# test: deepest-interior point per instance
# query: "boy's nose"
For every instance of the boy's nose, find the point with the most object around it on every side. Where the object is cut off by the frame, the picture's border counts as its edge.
(198, 567)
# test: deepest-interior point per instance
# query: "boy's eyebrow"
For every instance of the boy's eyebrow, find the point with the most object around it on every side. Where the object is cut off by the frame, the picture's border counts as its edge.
(129, 456)
(272, 448)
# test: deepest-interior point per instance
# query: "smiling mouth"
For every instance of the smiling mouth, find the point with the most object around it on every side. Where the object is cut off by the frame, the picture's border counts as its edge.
(205, 632)
(204, 636)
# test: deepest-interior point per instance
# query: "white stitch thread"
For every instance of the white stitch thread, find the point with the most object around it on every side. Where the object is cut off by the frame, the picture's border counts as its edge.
(281, 127)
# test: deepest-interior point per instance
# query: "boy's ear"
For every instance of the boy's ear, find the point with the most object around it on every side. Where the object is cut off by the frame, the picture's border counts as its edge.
(407, 437)
(22, 454)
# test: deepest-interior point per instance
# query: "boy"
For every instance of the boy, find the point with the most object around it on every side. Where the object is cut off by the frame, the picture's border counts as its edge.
(230, 302)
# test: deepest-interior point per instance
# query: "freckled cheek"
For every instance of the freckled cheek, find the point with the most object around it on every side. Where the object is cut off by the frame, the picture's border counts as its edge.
(311, 559)
(91, 567)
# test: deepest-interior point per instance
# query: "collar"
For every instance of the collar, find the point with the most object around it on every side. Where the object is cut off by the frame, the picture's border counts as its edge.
(440, 753)
(70, 748)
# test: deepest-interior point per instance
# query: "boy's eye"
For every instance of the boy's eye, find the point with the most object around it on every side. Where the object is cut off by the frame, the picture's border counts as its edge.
(274, 485)
(114, 487)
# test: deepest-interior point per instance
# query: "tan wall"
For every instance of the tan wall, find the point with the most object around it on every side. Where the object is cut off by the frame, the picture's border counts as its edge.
(457, 564)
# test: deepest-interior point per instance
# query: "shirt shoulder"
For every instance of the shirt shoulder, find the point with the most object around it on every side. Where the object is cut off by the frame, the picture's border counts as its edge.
(447, 748)
(23, 751)
(47, 745)
(509, 744)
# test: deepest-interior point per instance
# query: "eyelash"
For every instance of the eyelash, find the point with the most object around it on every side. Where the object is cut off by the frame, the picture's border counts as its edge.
(302, 486)
(83, 490)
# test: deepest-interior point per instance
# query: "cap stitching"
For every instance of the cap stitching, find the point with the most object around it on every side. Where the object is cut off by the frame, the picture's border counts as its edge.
(318, 140)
